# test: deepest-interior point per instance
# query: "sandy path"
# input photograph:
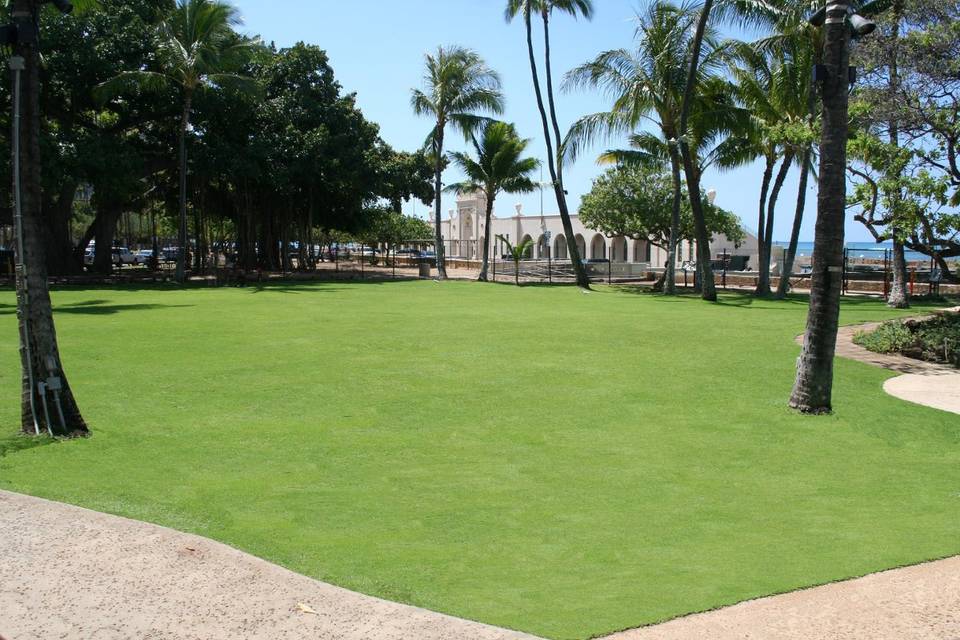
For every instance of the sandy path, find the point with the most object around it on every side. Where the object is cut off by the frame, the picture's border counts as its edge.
(70, 573)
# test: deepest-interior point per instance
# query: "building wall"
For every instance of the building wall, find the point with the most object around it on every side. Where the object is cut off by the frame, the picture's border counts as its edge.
(464, 233)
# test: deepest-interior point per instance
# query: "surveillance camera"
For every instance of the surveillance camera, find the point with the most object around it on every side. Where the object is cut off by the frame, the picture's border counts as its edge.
(64, 6)
(862, 26)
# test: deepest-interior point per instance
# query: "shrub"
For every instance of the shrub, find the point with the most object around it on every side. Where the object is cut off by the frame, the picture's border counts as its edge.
(936, 339)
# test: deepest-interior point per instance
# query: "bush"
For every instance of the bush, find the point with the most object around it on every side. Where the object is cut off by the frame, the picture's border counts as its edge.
(936, 339)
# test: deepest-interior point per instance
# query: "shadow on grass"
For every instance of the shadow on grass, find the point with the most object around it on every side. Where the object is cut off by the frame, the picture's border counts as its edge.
(14, 442)
(102, 307)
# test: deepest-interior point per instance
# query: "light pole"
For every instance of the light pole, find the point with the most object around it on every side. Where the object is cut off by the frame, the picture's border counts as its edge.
(813, 389)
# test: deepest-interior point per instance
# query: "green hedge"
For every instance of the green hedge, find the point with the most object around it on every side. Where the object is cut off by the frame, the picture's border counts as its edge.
(934, 340)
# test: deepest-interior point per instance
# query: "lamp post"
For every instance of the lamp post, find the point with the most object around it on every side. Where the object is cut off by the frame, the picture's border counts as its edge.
(813, 389)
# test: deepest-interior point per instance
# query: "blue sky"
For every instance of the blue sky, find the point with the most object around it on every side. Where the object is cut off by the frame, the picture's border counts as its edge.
(376, 48)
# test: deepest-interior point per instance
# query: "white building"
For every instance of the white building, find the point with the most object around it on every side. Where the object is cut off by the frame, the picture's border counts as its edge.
(464, 235)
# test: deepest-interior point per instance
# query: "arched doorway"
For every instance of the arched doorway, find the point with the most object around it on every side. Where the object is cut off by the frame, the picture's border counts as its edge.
(598, 247)
(581, 246)
(560, 247)
(641, 251)
(529, 252)
(618, 249)
(543, 245)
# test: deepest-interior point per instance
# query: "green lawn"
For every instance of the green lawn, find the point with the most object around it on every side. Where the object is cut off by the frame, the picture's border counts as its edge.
(536, 458)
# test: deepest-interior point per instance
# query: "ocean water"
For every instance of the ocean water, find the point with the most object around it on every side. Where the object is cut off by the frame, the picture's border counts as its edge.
(857, 250)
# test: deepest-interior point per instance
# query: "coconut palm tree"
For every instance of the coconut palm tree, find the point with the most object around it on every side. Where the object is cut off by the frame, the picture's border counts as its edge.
(458, 87)
(499, 167)
(47, 403)
(517, 252)
(199, 50)
(551, 126)
(795, 40)
(646, 85)
(774, 87)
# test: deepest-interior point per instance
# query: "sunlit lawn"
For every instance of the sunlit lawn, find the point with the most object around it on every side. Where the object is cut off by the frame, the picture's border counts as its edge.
(537, 458)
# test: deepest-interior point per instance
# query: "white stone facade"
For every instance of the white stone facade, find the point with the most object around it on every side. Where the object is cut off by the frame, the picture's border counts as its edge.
(464, 235)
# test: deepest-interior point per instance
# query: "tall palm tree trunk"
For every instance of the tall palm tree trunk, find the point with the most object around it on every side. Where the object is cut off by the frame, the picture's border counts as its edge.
(813, 389)
(708, 287)
(552, 161)
(56, 410)
(789, 259)
(763, 287)
(762, 256)
(438, 185)
(486, 240)
(181, 274)
(670, 269)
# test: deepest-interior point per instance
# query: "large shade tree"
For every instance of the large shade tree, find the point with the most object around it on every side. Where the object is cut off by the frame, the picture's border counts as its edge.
(551, 126)
(198, 50)
(459, 88)
(499, 166)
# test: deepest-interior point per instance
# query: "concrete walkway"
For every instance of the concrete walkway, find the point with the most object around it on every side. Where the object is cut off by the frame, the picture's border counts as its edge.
(915, 603)
(75, 574)
(925, 383)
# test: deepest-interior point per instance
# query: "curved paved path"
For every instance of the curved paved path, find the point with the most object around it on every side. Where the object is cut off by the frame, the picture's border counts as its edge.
(915, 603)
(926, 383)
(75, 574)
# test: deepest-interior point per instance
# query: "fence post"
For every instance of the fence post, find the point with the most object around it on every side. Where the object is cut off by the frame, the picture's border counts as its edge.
(362, 246)
(886, 274)
(846, 260)
(549, 267)
(394, 263)
(724, 268)
(609, 271)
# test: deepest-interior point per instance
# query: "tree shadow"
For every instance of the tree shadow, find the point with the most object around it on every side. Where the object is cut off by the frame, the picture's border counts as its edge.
(13, 442)
(102, 307)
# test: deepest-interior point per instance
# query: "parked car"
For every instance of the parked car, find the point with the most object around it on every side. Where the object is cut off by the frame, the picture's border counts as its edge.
(88, 256)
(143, 256)
(169, 254)
(122, 256)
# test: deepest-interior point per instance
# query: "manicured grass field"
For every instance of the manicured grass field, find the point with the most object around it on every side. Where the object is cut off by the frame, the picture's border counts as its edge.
(537, 458)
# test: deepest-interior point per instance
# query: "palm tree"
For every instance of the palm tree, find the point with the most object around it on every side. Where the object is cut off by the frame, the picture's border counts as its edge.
(199, 49)
(774, 87)
(813, 389)
(793, 39)
(499, 167)
(46, 399)
(459, 84)
(518, 253)
(551, 126)
(707, 285)
(647, 84)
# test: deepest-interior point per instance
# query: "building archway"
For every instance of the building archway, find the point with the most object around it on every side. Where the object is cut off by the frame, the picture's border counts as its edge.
(543, 246)
(598, 247)
(618, 249)
(529, 252)
(581, 246)
(560, 247)
(641, 251)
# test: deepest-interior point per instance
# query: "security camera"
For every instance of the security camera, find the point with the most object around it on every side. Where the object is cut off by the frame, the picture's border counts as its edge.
(862, 26)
